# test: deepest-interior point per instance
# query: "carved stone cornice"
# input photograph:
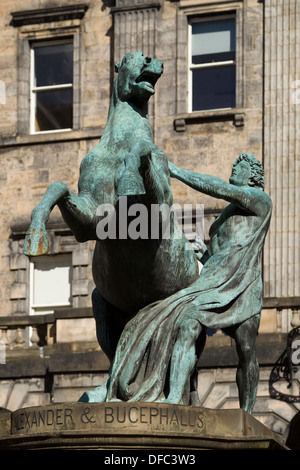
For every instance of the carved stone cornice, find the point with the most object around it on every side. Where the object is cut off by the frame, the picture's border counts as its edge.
(124, 5)
(46, 15)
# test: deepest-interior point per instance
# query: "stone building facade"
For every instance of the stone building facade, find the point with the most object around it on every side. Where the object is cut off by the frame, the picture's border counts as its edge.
(49, 352)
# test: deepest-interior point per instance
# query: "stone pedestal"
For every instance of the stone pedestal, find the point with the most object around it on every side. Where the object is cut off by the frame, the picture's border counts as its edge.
(132, 426)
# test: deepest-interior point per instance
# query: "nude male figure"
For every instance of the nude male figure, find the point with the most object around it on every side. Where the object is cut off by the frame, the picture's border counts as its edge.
(248, 208)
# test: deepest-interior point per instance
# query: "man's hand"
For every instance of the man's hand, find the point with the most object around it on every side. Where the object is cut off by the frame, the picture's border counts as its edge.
(199, 246)
(200, 250)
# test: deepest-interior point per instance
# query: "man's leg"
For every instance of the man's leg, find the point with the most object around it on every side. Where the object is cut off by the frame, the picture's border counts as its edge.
(183, 360)
(248, 368)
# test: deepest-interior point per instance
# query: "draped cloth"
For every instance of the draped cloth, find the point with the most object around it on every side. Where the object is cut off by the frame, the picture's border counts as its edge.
(227, 292)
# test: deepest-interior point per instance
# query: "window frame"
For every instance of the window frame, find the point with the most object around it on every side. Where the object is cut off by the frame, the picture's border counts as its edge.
(34, 89)
(206, 65)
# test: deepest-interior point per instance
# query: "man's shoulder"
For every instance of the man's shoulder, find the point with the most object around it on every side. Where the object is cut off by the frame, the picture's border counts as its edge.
(260, 193)
(261, 200)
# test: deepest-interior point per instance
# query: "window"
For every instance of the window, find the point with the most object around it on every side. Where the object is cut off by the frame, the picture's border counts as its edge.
(212, 67)
(50, 283)
(52, 86)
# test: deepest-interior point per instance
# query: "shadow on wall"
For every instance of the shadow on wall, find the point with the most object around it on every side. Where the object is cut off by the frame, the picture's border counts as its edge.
(293, 439)
(287, 370)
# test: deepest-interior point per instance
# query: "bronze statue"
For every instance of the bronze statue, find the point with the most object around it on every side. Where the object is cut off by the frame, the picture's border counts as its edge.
(150, 304)
(165, 340)
(127, 166)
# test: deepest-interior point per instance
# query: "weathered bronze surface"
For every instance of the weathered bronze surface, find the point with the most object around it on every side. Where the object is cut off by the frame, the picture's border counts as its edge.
(125, 168)
(151, 306)
(227, 295)
(133, 426)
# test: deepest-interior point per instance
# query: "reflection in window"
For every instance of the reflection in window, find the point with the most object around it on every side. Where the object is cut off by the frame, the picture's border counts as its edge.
(52, 86)
(212, 63)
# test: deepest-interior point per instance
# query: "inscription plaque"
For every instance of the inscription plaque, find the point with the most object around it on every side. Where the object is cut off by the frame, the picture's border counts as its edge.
(106, 417)
(132, 425)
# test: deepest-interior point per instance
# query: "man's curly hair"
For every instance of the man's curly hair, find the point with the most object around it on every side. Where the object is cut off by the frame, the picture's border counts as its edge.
(257, 171)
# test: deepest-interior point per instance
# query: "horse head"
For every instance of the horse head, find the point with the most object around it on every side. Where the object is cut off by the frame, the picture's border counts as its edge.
(137, 76)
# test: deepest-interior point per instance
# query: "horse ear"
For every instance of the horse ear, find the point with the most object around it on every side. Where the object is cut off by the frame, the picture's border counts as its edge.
(117, 67)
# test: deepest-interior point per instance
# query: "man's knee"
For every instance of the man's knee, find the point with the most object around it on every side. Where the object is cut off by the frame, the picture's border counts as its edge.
(246, 352)
(246, 349)
(245, 337)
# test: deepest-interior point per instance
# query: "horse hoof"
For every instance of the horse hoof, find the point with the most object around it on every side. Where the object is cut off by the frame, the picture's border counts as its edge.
(131, 184)
(98, 395)
(36, 242)
(86, 398)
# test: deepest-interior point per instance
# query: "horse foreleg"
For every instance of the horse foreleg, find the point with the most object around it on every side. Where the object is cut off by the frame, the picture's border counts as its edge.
(76, 210)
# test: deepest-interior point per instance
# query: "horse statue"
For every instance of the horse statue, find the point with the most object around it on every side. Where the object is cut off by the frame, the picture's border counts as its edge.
(127, 166)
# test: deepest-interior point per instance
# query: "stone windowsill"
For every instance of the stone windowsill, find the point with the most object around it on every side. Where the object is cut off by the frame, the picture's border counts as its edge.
(28, 363)
(52, 137)
(42, 319)
(235, 114)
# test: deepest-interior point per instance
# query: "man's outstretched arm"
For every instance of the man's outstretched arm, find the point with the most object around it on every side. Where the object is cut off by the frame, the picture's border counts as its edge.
(248, 198)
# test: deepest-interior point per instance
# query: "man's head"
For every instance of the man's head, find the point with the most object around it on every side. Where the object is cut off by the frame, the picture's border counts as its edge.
(247, 170)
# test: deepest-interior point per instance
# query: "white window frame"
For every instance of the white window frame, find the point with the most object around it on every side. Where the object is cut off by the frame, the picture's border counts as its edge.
(192, 67)
(34, 89)
(49, 307)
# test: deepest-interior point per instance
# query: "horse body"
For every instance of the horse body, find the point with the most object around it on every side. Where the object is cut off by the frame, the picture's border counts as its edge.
(128, 274)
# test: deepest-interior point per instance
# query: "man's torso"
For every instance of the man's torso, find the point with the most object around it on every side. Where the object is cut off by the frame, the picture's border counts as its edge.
(232, 227)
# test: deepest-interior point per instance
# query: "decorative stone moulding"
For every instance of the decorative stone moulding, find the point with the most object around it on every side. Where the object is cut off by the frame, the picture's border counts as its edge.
(46, 15)
(124, 5)
(237, 116)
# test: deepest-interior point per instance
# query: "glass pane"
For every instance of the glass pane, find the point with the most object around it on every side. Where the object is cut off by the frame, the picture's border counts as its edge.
(54, 110)
(52, 281)
(214, 88)
(53, 64)
(213, 40)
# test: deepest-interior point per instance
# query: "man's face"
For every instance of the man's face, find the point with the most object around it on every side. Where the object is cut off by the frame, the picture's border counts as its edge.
(241, 174)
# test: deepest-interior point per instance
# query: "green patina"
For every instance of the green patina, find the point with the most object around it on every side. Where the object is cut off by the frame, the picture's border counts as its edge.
(128, 274)
(150, 304)
(158, 351)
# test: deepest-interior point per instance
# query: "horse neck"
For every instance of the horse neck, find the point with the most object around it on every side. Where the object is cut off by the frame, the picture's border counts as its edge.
(118, 107)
